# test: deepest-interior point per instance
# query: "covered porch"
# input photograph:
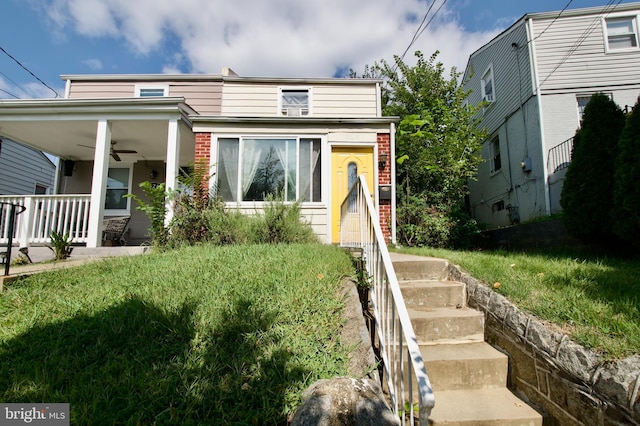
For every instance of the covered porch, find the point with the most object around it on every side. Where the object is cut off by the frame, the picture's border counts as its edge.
(106, 148)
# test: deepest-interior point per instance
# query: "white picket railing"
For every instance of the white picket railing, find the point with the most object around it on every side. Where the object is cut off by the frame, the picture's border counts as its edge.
(404, 368)
(67, 214)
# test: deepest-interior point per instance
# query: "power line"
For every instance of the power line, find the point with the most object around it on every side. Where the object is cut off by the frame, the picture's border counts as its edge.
(6, 77)
(9, 93)
(554, 20)
(422, 28)
(605, 10)
(29, 71)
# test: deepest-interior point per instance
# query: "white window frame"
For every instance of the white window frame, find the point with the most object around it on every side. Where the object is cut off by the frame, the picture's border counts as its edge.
(488, 76)
(283, 111)
(298, 138)
(139, 88)
(493, 153)
(634, 34)
(127, 210)
(587, 95)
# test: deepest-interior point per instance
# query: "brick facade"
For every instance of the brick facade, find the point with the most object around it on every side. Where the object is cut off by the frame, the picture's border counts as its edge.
(384, 178)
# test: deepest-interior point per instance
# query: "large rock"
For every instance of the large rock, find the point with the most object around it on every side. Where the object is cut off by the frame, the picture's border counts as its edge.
(344, 401)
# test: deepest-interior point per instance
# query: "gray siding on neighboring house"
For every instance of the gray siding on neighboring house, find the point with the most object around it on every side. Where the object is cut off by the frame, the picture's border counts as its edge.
(512, 83)
(22, 167)
(571, 55)
(565, 56)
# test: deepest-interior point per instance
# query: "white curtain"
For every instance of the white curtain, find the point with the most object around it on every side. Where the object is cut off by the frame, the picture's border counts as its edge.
(250, 161)
(229, 158)
(308, 163)
(287, 155)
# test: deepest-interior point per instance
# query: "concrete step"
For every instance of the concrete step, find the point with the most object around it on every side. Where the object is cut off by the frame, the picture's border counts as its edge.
(445, 325)
(482, 407)
(465, 366)
(433, 294)
(410, 267)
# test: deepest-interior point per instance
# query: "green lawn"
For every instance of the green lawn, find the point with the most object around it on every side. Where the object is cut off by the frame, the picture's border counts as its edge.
(596, 300)
(198, 335)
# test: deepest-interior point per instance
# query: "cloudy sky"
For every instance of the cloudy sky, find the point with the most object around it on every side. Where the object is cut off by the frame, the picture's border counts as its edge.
(284, 38)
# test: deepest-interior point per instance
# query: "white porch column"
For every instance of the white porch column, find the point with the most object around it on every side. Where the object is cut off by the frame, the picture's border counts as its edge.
(98, 183)
(173, 159)
(26, 222)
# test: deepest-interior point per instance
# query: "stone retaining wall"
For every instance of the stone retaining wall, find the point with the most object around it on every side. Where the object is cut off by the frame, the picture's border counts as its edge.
(569, 383)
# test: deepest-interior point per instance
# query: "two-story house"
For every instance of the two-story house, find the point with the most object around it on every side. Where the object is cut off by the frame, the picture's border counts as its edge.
(306, 138)
(536, 78)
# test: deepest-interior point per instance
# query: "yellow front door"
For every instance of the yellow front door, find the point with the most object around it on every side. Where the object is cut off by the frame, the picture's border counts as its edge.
(347, 163)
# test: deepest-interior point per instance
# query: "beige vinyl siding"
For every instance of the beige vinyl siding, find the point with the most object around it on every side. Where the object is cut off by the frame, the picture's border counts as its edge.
(203, 96)
(588, 66)
(327, 100)
(344, 101)
(101, 90)
(249, 99)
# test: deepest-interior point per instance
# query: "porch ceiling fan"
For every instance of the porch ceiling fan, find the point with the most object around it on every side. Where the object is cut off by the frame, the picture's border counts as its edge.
(114, 152)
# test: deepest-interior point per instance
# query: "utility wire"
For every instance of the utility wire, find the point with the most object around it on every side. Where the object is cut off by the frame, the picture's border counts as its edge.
(421, 28)
(606, 10)
(29, 71)
(6, 77)
(554, 20)
(8, 93)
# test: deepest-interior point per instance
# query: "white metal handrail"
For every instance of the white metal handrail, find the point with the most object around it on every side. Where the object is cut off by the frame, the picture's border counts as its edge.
(402, 361)
(67, 214)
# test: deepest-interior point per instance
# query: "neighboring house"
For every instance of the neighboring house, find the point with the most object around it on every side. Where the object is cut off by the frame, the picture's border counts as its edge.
(24, 170)
(536, 77)
(305, 137)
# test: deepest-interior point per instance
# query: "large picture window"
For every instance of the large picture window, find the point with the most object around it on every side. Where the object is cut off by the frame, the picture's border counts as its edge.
(250, 168)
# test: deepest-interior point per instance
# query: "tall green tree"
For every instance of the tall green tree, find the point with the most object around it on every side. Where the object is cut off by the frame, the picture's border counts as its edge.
(587, 192)
(626, 192)
(437, 146)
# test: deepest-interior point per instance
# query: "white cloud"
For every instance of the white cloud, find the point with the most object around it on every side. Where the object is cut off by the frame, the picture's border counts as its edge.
(269, 38)
(94, 64)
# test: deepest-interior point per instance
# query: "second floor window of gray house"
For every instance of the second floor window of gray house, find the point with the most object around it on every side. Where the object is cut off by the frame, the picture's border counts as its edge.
(487, 85)
(294, 102)
(621, 33)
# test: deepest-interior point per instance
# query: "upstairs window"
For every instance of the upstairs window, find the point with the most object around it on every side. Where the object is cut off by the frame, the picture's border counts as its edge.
(494, 155)
(294, 102)
(487, 85)
(151, 91)
(621, 33)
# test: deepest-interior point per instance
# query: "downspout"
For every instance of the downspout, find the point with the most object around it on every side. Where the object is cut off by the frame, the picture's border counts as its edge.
(392, 160)
(536, 88)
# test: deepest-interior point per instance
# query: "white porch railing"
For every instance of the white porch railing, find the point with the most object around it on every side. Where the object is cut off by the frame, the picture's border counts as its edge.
(404, 368)
(67, 214)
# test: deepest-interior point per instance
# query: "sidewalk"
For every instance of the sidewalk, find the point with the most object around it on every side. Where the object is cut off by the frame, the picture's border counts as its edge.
(43, 260)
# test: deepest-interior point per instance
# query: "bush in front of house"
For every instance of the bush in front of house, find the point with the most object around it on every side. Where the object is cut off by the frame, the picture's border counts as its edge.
(626, 195)
(587, 193)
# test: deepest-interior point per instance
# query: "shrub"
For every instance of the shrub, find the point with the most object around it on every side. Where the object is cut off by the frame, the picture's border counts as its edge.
(626, 195)
(587, 193)
(60, 245)
(280, 223)
(421, 224)
(155, 209)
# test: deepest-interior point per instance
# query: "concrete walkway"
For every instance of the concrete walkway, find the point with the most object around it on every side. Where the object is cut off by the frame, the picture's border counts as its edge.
(43, 260)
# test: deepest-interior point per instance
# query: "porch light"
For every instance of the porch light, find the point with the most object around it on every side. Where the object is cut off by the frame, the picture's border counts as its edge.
(154, 174)
(382, 160)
